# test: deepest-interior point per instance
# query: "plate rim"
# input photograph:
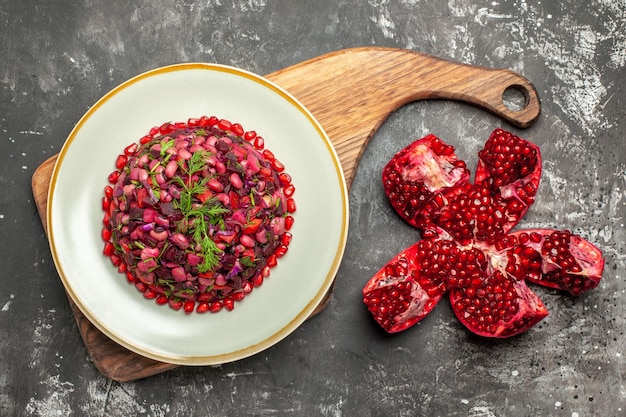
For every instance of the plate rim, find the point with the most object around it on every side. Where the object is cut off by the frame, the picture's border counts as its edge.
(294, 322)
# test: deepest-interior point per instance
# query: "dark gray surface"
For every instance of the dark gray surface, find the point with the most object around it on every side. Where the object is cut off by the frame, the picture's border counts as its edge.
(58, 57)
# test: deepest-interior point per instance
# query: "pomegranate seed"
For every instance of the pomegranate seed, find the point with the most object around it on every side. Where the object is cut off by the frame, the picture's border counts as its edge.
(203, 307)
(286, 238)
(106, 204)
(271, 261)
(167, 128)
(289, 220)
(108, 192)
(224, 124)
(189, 306)
(216, 306)
(291, 205)
(237, 129)
(109, 249)
(229, 303)
(114, 176)
(257, 281)
(120, 162)
(284, 178)
(267, 154)
(193, 122)
(250, 135)
(259, 143)
(280, 251)
(277, 165)
(115, 260)
(289, 190)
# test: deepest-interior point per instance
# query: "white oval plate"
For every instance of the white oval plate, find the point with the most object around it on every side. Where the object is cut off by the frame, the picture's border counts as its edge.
(295, 287)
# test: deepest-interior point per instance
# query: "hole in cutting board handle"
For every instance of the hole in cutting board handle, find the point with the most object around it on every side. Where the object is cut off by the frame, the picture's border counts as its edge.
(515, 97)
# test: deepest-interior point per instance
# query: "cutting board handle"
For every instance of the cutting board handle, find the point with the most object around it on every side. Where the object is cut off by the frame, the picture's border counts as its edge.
(352, 91)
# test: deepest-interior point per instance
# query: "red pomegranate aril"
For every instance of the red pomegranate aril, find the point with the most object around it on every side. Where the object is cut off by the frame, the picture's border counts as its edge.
(166, 128)
(161, 300)
(193, 122)
(106, 204)
(271, 261)
(150, 294)
(237, 129)
(115, 260)
(291, 205)
(284, 178)
(280, 251)
(259, 142)
(208, 121)
(203, 307)
(224, 124)
(141, 287)
(229, 303)
(108, 192)
(120, 162)
(289, 190)
(277, 165)
(189, 306)
(216, 306)
(289, 221)
(286, 238)
(258, 280)
(114, 176)
(249, 135)
(109, 249)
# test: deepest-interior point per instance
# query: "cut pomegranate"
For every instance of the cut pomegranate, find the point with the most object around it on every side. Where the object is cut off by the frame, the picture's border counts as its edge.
(466, 248)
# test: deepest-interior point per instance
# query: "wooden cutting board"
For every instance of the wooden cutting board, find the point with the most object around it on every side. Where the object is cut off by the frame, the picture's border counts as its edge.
(350, 92)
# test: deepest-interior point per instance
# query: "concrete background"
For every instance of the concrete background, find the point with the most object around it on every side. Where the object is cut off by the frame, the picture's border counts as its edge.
(58, 57)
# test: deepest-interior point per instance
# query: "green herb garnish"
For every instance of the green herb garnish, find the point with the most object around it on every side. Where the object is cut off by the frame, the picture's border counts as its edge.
(198, 217)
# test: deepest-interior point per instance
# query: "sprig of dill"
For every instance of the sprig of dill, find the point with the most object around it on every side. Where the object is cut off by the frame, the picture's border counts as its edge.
(200, 216)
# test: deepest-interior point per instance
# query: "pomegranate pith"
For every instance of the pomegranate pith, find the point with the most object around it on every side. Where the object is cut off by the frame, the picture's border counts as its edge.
(466, 248)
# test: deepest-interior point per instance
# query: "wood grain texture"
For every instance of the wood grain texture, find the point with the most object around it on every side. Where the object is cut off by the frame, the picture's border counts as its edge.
(350, 92)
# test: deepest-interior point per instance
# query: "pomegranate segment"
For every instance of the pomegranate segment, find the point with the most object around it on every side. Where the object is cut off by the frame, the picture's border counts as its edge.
(497, 306)
(419, 171)
(394, 297)
(466, 248)
(511, 167)
(560, 259)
